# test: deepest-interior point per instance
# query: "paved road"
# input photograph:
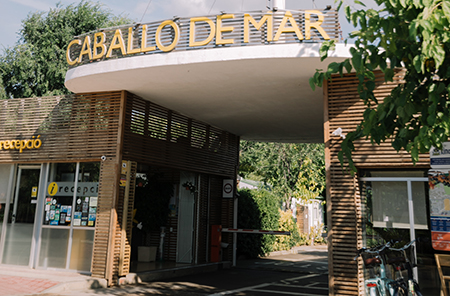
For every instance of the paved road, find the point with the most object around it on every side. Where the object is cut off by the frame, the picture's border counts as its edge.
(311, 285)
(303, 273)
(225, 282)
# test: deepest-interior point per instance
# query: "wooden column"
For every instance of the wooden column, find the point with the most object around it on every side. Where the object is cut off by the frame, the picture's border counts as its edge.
(326, 127)
(106, 250)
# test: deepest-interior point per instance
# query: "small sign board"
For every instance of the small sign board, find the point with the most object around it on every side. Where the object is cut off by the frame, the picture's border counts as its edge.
(124, 170)
(228, 188)
(440, 159)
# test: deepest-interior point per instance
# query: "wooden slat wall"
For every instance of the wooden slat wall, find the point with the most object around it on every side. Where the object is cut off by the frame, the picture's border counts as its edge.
(84, 127)
(344, 109)
(72, 128)
(102, 227)
(203, 226)
(156, 135)
(125, 214)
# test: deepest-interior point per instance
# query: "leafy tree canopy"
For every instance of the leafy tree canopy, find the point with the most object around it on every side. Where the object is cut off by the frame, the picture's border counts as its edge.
(409, 34)
(293, 170)
(36, 65)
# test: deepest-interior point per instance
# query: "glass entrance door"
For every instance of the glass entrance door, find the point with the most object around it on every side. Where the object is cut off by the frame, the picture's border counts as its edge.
(20, 216)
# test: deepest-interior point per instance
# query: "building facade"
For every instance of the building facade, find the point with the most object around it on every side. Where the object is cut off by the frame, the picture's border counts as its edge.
(161, 107)
(387, 199)
(69, 167)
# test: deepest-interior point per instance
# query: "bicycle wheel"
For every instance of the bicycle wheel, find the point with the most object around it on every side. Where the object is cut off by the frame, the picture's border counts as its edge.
(417, 289)
(401, 291)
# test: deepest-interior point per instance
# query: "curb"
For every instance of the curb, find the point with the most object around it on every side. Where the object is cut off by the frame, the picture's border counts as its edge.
(296, 250)
(77, 285)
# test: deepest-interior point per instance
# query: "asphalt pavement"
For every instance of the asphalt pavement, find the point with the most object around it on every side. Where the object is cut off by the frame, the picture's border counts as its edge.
(302, 271)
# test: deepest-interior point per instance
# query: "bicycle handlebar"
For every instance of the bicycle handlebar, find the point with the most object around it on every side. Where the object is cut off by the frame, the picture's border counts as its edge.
(381, 248)
(404, 247)
(374, 250)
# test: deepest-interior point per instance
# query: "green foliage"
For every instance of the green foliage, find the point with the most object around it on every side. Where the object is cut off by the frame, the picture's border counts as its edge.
(315, 234)
(297, 238)
(409, 34)
(37, 65)
(2, 89)
(288, 168)
(257, 209)
(310, 183)
(287, 223)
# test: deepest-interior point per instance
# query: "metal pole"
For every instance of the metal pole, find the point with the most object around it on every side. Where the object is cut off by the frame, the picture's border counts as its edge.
(411, 225)
(16, 196)
(235, 221)
(9, 193)
(74, 199)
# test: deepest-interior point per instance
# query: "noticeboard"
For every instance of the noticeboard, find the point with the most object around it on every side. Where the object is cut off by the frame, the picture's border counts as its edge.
(439, 184)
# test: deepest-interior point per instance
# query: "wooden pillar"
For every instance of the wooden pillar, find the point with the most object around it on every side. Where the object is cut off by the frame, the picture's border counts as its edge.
(326, 126)
(106, 252)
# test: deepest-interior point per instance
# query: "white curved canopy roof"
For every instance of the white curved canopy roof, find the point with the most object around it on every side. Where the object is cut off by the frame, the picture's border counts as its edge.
(257, 92)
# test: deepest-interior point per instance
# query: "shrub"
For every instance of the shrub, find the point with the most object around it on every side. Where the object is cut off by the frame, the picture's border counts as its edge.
(287, 242)
(316, 235)
(258, 209)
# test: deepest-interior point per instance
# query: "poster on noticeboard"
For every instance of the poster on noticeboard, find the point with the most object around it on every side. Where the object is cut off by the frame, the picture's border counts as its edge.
(439, 194)
(439, 184)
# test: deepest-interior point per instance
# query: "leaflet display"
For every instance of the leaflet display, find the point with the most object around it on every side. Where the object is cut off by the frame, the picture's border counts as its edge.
(60, 209)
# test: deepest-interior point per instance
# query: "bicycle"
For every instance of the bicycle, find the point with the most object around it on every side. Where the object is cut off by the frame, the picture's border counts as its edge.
(380, 285)
(409, 287)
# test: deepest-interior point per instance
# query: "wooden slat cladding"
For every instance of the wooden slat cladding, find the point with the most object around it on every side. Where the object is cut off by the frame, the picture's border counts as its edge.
(344, 109)
(72, 128)
(202, 228)
(202, 30)
(159, 136)
(102, 227)
(125, 214)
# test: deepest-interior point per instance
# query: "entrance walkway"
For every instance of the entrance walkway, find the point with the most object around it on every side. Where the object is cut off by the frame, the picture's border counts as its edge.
(16, 280)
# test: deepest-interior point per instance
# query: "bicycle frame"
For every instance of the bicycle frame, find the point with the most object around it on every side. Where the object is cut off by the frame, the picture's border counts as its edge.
(411, 285)
(380, 285)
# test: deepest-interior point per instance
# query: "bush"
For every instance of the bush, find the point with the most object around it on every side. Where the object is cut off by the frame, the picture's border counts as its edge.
(258, 209)
(316, 234)
(287, 242)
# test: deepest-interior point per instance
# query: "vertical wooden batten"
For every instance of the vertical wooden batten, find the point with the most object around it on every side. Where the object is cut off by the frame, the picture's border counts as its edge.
(326, 127)
(114, 244)
(126, 222)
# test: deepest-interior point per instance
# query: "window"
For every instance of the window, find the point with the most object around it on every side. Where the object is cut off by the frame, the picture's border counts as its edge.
(60, 207)
(69, 216)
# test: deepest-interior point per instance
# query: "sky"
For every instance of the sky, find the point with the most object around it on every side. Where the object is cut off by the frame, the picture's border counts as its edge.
(12, 12)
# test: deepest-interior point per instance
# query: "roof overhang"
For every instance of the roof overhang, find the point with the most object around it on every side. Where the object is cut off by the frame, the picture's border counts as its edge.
(259, 92)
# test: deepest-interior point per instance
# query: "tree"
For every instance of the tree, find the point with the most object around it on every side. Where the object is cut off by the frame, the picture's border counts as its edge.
(291, 169)
(413, 35)
(37, 65)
